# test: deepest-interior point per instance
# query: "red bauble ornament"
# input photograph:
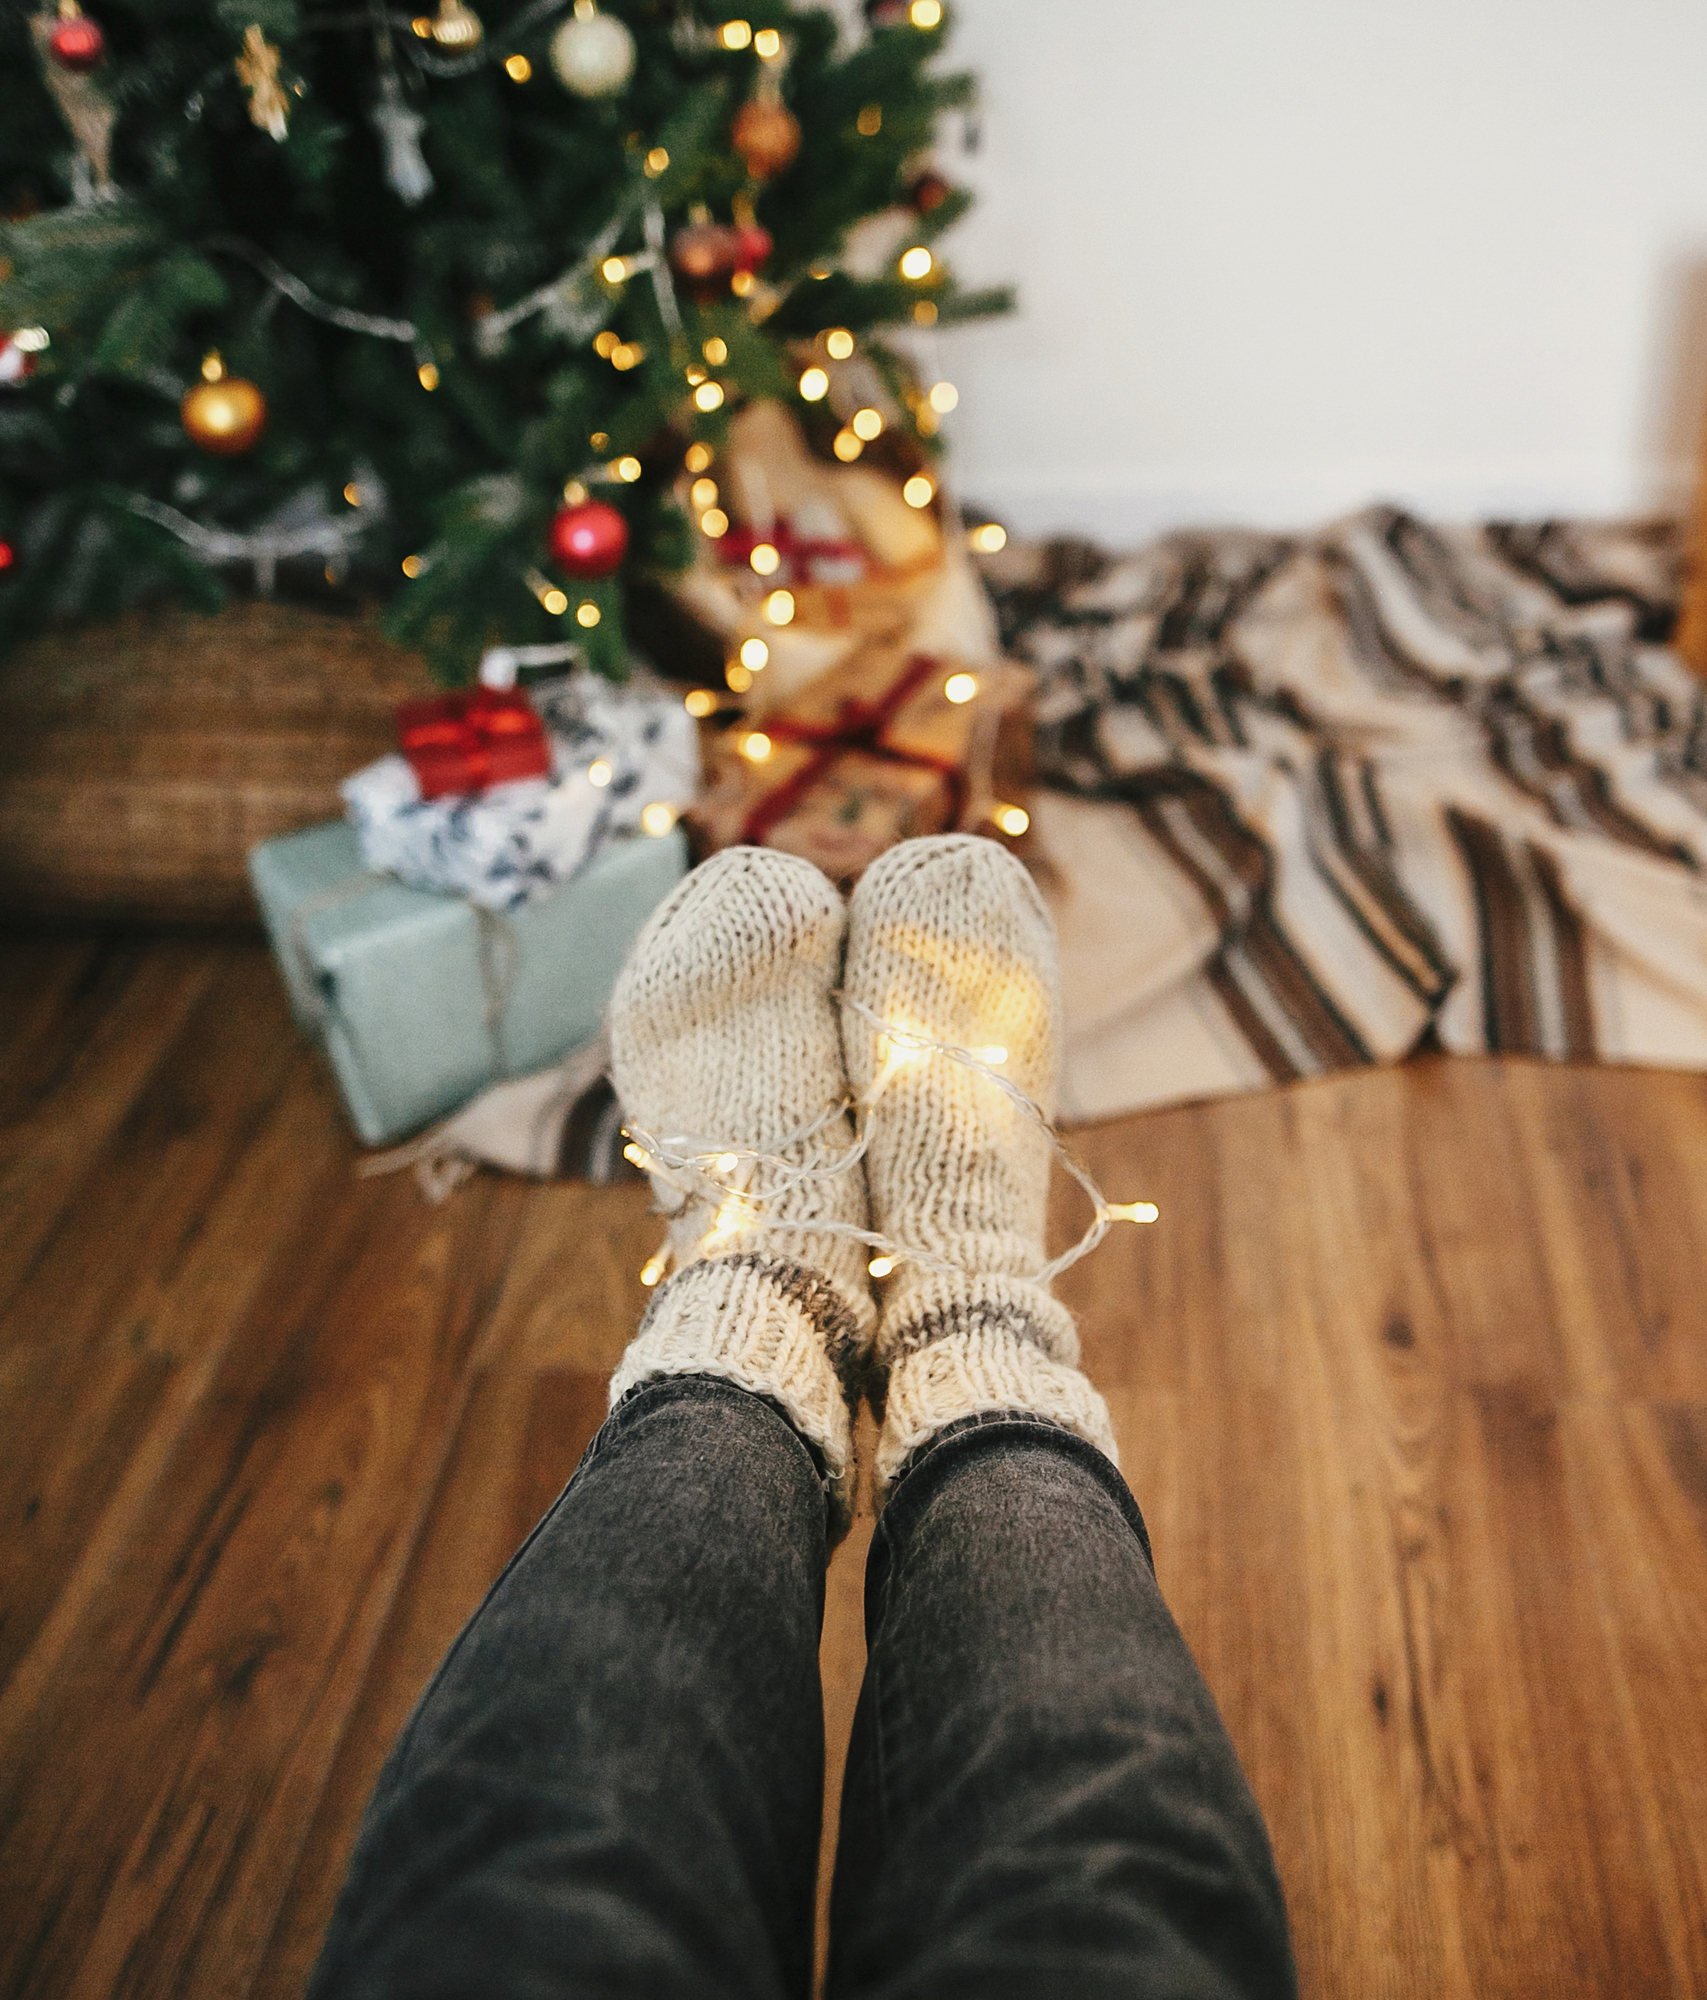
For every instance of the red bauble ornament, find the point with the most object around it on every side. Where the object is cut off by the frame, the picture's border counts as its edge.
(77, 42)
(767, 136)
(7, 556)
(927, 191)
(588, 540)
(15, 365)
(753, 244)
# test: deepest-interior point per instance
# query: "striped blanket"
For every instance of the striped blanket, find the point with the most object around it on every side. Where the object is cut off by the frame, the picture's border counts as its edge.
(1310, 803)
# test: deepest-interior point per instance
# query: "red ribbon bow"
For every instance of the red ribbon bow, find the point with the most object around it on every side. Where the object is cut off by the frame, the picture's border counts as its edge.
(464, 742)
(797, 552)
(859, 726)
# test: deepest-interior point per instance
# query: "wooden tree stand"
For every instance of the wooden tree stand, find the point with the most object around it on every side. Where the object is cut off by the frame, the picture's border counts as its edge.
(141, 760)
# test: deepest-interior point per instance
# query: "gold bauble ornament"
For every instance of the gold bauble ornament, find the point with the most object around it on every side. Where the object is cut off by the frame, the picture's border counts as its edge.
(457, 27)
(767, 136)
(223, 414)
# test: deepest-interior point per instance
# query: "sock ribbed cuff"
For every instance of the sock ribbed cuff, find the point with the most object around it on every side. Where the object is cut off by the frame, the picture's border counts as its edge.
(991, 1362)
(773, 1327)
(926, 1306)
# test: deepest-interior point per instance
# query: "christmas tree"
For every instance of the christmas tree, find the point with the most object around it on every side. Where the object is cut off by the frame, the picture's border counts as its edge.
(448, 310)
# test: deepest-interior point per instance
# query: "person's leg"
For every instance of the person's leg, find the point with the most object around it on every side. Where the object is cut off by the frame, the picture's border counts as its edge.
(1040, 1796)
(613, 1785)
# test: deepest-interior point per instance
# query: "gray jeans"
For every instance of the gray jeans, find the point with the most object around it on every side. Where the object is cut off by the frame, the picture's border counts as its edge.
(613, 1784)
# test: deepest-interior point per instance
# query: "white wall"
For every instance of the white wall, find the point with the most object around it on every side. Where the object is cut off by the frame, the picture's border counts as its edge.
(1278, 257)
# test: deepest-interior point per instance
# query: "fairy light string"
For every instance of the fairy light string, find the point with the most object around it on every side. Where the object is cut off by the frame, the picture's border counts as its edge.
(726, 1177)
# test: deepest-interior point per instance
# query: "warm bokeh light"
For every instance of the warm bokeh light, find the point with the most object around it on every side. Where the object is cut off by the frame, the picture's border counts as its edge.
(779, 607)
(704, 493)
(918, 491)
(814, 385)
(587, 614)
(738, 678)
(838, 343)
(767, 44)
(866, 424)
(656, 162)
(708, 396)
(755, 654)
(765, 559)
(989, 538)
(944, 396)
(627, 470)
(736, 34)
(699, 703)
(555, 602)
(517, 68)
(960, 688)
(917, 263)
(716, 351)
(870, 121)
(413, 566)
(657, 819)
(1013, 820)
(847, 447)
(755, 746)
(925, 13)
(714, 522)
(698, 457)
(599, 773)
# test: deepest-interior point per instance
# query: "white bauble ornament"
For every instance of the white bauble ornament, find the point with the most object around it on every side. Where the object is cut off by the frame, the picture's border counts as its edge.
(592, 53)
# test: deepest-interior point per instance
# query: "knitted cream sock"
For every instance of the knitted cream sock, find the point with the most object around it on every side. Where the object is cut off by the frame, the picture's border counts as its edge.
(949, 939)
(724, 1042)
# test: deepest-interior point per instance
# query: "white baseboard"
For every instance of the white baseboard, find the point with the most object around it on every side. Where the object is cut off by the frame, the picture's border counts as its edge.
(1120, 509)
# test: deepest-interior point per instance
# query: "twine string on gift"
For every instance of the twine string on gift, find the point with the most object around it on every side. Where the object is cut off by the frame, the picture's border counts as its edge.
(497, 950)
(860, 727)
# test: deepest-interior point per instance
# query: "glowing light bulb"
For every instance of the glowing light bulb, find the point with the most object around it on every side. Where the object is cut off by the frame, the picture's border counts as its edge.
(960, 688)
(628, 355)
(599, 773)
(428, 376)
(742, 283)
(847, 447)
(517, 68)
(613, 270)
(1131, 1211)
(989, 538)
(413, 566)
(716, 351)
(699, 703)
(765, 559)
(870, 121)
(653, 1269)
(736, 34)
(880, 1267)
(587, 614)
(708, 396)
(698, 457)
(917, 263)
(925, 13)
(866, 424)
(656, 162)
(714, 522)
(726, 1163)
(779, 607)
(739, 677)
(944, 396)
(755, 746)
(704, 493)
(924, 312)
(555, 602)
(814, 385)
(838, 343)
(767, 44)
(573, 493)
(918, 491)
(353, 494)
(1013, 820)
(657, 819)
(627, 470)
(636, 1156)
(995, 1055)
(755, 655)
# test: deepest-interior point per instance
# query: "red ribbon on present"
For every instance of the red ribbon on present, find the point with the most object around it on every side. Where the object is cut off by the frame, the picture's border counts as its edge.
(797, 552)
(464, 742)
(859, 726)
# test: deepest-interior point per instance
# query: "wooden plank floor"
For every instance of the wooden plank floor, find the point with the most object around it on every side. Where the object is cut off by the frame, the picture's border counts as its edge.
(1411, 1382)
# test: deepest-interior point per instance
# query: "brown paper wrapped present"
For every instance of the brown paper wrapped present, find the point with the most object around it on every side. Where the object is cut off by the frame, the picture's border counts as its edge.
(869, 754)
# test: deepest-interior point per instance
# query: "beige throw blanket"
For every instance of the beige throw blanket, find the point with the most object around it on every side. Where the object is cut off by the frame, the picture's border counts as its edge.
(1315, 801)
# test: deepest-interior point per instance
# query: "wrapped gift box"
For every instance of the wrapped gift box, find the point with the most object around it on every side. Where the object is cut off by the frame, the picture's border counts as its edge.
(621, 757)
(421, 999)
(874, 752)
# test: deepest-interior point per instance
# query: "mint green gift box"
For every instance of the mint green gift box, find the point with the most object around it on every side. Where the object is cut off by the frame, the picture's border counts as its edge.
(421, 999)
